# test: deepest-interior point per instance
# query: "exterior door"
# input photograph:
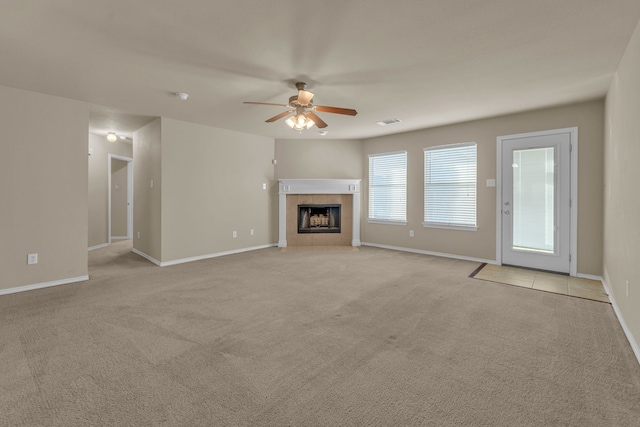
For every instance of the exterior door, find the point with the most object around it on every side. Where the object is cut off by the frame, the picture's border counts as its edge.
(536, 201)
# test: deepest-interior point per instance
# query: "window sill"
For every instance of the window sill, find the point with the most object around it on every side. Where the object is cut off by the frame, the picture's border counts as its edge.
(449, 226)
(381, 221)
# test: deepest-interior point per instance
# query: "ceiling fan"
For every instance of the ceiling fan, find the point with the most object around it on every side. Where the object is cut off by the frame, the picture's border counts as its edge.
(303, 111)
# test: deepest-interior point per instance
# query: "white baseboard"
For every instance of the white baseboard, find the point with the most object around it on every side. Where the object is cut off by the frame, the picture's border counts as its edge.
(625, 328)
(423, 252)
(590, 277)
(201, 257)
(143, 255)
(215, 255)
(102, 245)
(43, 285)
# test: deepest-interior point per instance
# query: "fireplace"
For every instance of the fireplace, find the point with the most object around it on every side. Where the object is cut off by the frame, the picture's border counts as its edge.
(295, 192)
(319, 218)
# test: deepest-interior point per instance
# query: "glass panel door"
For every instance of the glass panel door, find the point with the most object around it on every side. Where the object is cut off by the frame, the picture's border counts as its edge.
(534, 217)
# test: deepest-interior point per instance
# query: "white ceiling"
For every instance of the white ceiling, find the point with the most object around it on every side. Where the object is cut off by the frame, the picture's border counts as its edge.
(426, 62)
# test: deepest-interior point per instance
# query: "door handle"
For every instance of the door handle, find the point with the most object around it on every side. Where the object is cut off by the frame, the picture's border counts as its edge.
(506, 212)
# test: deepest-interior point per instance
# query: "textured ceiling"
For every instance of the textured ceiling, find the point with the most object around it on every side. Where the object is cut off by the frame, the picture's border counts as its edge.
(426, 62)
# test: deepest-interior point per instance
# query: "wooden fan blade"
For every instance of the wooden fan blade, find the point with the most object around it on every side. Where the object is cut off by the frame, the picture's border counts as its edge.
(304, 97)
(279, 116)
(335, 110)
(265, 103)
(317, 120)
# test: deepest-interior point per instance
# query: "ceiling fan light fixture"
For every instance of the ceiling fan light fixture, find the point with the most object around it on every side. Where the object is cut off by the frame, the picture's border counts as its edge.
(310, 123)
(300, 122)
(290, 122)
(112, 137)
(303, 110)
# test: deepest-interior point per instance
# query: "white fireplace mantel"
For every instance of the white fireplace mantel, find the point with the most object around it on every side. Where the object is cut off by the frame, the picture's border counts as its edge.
(317, 186)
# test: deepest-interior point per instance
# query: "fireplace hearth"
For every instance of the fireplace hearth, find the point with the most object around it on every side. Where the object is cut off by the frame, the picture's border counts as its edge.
(319, 218)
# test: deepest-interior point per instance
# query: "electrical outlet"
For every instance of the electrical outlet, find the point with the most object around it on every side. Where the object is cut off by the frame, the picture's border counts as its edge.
(251, 232)
(411, 234)
(235, 234)
(138, 234)
(264, 185)
(32, 258)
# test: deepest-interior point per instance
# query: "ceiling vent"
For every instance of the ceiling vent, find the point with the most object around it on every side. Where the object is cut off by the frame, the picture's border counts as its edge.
(389, 122)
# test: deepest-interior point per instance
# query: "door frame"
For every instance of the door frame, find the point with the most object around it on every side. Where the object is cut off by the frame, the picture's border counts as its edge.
(129, 161)
(573, 207)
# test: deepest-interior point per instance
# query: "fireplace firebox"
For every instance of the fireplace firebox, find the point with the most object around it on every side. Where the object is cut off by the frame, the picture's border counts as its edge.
(319, 218)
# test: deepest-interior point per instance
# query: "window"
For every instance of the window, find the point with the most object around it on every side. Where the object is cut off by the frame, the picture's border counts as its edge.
(388, 188)
(450, 186)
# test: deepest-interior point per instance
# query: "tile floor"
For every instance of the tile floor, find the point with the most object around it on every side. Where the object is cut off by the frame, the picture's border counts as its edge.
(544, 281)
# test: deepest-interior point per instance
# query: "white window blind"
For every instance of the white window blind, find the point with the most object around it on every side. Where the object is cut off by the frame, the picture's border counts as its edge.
(450, 186)
(388, 187)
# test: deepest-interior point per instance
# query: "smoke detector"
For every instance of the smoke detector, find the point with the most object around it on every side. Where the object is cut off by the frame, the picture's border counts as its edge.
(389, 122)
(182, 96)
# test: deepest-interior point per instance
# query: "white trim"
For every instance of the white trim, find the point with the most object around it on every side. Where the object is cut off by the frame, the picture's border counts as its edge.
(143, 255)
(100, 246)
(450, 226)
(573, 265)
(390, 153)
(129, 161)
(215, 255)
(589, 276)
(388, 222)
(632, 342)
(44, 285)
(282, 221)
(573, 210)
(445, 146)
(201, 257)
(318, 186)
(422, 252)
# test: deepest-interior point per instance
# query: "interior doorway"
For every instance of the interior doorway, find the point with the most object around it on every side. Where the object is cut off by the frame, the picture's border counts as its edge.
(120, 197)
(536, 194)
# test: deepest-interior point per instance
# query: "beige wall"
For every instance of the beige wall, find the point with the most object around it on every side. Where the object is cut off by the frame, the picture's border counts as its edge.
(621, 193)
(318, 159)
(98, 184)
(212, 185)
(43, 206)
(588, 117)
(147, 200)
(118, 198)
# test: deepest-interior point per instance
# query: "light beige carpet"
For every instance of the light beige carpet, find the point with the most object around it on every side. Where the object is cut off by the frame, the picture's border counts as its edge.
(368, 338)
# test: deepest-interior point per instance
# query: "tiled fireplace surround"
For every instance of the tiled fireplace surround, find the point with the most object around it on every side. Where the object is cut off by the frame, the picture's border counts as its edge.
(293, 192)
